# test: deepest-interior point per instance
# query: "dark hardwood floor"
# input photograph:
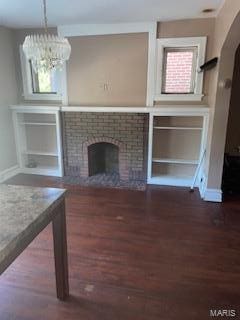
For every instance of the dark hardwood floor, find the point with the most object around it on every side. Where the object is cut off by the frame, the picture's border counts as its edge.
(133, 255)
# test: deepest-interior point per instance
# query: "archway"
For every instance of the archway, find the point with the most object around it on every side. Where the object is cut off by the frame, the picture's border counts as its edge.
(231, 168)
(222, 102)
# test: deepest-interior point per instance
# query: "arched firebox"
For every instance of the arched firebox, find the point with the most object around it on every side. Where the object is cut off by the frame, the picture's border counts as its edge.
(105, 155)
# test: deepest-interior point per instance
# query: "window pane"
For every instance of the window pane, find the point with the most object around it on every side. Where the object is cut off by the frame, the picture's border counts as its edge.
(43, 81)
(179, 70)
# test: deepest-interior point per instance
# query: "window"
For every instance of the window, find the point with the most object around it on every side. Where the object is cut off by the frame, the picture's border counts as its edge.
(43, 81)
(41, 85)
(179, 61)
(177, 69)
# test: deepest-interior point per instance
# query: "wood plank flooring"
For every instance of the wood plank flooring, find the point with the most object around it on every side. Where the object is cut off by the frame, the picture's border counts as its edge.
(162, 254)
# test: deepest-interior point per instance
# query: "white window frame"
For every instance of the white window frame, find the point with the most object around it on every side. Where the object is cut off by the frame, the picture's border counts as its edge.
(27, 83)
(200, 43)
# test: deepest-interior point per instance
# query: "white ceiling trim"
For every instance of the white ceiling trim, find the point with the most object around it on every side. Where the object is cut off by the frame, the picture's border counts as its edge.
(104, 29)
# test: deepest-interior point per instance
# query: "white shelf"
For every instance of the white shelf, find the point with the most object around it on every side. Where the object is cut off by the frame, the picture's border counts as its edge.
(178, 128)
(38, 136)
(169, 180)
(40, 153)
(38, 124)
(176, 138)
(43, 170)
(178, 161)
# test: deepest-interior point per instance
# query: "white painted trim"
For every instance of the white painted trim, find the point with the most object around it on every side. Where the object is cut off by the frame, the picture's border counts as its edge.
(178, 97)
(156, 110)
(199, 42)
(9, 173)
(35, 108)
(163, 110)
(59, 144)
(116, 28)
(179, 111)
(45, 96)
(104, 109)
(175, 161)
(17, 136)
(202, 175)
(213, 195)
(178, 128)
(104, 29)
(151, 73)
(64, 84)
(24, 72)
(43, 172)
(150, 148)
(21, 139)
(170, 181)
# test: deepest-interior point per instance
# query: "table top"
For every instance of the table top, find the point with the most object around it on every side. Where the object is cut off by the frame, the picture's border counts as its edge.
(24, 211)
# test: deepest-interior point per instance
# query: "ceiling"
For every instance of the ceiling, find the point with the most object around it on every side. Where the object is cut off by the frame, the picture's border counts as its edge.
(28, 13)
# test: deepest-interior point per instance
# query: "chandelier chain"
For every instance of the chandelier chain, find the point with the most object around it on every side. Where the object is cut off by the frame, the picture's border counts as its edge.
(45, 15)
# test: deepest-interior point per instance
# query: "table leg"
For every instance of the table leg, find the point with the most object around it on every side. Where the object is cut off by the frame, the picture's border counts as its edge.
(60, 252)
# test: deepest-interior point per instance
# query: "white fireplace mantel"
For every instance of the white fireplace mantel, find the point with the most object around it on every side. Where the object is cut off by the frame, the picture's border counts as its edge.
(163, 109)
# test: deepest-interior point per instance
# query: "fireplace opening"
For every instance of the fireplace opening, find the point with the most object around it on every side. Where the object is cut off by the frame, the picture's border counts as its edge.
(103, 157)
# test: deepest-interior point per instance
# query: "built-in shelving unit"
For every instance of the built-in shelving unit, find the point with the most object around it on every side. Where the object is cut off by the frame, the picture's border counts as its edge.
(38, 139)
(177, 140)
(176, 143)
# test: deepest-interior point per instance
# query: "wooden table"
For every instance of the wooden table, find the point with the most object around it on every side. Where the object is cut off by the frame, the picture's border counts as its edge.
(24, 213)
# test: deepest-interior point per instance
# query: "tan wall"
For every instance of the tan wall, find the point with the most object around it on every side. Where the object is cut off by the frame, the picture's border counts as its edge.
(120, 61)
(233, 128)
(192, 28)
(8, 95)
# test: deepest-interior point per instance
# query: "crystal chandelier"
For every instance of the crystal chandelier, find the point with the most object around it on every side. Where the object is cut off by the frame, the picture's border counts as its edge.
(46, 51)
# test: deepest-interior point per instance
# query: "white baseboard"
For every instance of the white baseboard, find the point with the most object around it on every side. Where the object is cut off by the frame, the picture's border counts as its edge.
(9, 173)
(213, 195)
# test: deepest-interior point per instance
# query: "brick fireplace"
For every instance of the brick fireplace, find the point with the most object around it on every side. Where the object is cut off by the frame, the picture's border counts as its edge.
(124, 133)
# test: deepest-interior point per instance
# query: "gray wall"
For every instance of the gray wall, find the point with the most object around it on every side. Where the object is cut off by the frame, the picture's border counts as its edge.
(8, 95)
